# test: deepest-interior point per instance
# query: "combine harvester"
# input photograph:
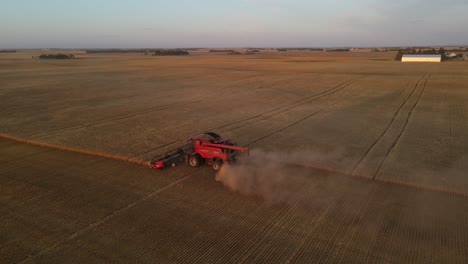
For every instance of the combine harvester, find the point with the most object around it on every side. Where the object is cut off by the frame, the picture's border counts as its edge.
(209, 148)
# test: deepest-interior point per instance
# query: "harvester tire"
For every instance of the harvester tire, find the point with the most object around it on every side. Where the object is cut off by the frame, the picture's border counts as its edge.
(195, 160)
(216, 165)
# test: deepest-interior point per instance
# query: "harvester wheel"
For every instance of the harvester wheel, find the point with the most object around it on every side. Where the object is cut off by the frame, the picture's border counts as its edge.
(217, 164)
(195, 160)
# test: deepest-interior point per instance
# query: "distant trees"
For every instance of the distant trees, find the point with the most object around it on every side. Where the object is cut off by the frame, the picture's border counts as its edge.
(301, 49)
(119, 50)
(7, 51)
(457, 49)
(252, 51)
(222, 50)
(59, 56)
(441, 51)
(155, 52)
(338, 50)
(231, 51)
(170, 52)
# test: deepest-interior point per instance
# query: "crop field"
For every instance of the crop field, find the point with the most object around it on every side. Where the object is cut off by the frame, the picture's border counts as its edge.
(371, 159)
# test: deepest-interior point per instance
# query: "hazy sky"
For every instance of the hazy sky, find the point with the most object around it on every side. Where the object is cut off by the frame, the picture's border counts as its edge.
(231, 23)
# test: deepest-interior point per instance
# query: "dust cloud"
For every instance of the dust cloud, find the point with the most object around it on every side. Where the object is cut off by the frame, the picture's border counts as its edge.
(276, 176)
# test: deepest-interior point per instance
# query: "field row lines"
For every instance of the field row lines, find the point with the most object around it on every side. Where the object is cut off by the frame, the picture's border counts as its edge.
(246, 251)
(275, 254)
(228, 233)
(290, 106)
(104, 121)
(104, 219)
(75, 150)
(387, 128)
(129, 115)
(17, 207)
(267, 114)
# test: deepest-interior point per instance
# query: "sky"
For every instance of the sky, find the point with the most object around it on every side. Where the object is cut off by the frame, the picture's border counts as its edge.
(231, 23)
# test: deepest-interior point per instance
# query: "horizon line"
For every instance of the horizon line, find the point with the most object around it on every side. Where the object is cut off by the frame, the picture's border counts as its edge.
(242, 47)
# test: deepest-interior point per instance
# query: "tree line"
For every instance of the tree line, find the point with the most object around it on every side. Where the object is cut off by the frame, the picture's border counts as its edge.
(170, 52)
(59, 56)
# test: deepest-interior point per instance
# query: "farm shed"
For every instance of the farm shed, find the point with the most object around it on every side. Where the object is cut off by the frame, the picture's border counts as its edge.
(421, 58)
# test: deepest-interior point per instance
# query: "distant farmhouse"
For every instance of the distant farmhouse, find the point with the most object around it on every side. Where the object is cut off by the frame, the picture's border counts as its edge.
(421, 58)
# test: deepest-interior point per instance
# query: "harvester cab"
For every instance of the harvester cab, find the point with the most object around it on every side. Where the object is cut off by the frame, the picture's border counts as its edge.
(207, 148)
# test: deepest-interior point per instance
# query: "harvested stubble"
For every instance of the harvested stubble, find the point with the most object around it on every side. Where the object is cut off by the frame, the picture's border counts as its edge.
(120, 212)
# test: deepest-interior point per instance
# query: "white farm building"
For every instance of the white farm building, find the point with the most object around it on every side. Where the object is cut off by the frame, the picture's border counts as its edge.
(421, 58)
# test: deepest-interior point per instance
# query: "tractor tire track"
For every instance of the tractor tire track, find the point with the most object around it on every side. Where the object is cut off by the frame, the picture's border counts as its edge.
(384, 132)
(295, 106)
(292, 105)
(284, 128)
(408, 117)
(288, 126)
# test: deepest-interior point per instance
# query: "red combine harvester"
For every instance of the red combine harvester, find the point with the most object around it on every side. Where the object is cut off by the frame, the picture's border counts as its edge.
(209, 148)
